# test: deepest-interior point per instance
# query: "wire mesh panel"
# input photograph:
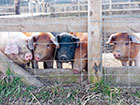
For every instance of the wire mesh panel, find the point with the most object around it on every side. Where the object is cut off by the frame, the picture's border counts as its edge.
(39, 26)
(121, 68)
(48, 43)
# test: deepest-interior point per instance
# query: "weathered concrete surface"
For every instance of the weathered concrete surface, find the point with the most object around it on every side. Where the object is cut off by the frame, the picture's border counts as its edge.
(122, 76)
(61, 76)
(65, 22)
(42, 23)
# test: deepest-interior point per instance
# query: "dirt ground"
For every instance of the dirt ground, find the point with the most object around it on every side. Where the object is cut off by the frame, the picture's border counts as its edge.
(108, 60)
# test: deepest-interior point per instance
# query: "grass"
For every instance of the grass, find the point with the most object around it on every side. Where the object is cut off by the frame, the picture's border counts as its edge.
(13, 91)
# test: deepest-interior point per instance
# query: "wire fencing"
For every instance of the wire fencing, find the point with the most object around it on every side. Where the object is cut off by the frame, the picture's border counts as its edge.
(54, 16)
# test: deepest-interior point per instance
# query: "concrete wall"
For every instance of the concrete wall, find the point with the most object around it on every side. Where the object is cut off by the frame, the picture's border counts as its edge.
(45, 22)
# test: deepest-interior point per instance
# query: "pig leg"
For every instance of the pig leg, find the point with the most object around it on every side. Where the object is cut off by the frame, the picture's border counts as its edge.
(134, 62)
(45, 65)
(28, 64)
(72, 64)
(59, 64)
(124, 63)
(34, 64)
(130, 63)
(86, 67)
(48, 64)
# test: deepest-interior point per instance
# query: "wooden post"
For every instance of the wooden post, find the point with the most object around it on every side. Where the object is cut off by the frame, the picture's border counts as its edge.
(48, 7)
(30, 6)
(17, 6)
(79, 8)
(94, 40)
(43, 6)
(37, 7)
(110, 7)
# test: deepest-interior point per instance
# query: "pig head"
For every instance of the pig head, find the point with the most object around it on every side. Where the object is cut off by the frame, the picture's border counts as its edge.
(66, 51)
(44, 48)
(125, 46)
(14, 45)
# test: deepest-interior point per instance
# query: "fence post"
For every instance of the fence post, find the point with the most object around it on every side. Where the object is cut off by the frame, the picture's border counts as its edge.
(43, 6)
(17, 6)
(94, 40)
(110, 7)
(30, 6)
(38, 5)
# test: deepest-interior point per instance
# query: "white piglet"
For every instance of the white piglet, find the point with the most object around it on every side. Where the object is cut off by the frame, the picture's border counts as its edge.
(15, 46)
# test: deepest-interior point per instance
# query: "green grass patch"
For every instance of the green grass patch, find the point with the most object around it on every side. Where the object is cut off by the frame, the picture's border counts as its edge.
(13, 90)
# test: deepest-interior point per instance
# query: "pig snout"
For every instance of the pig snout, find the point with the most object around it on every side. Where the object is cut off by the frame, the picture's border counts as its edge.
(76, 68)
(28, 56)
(37, 57)
(117, 54)
(63, 57)
(76, 71)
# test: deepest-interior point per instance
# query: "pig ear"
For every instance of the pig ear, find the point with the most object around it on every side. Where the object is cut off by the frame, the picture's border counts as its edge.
(76, 39)
(111, 39)
(58, 37)
(31, 41)
(34, 38)
(72, 33)
(55, 42)
(134, 39)
(11, 49)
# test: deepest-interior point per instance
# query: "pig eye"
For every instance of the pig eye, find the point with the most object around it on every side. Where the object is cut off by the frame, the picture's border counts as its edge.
(115, 43)
(48, 46)
(126, 44)
(71, 48)
(85, 56)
